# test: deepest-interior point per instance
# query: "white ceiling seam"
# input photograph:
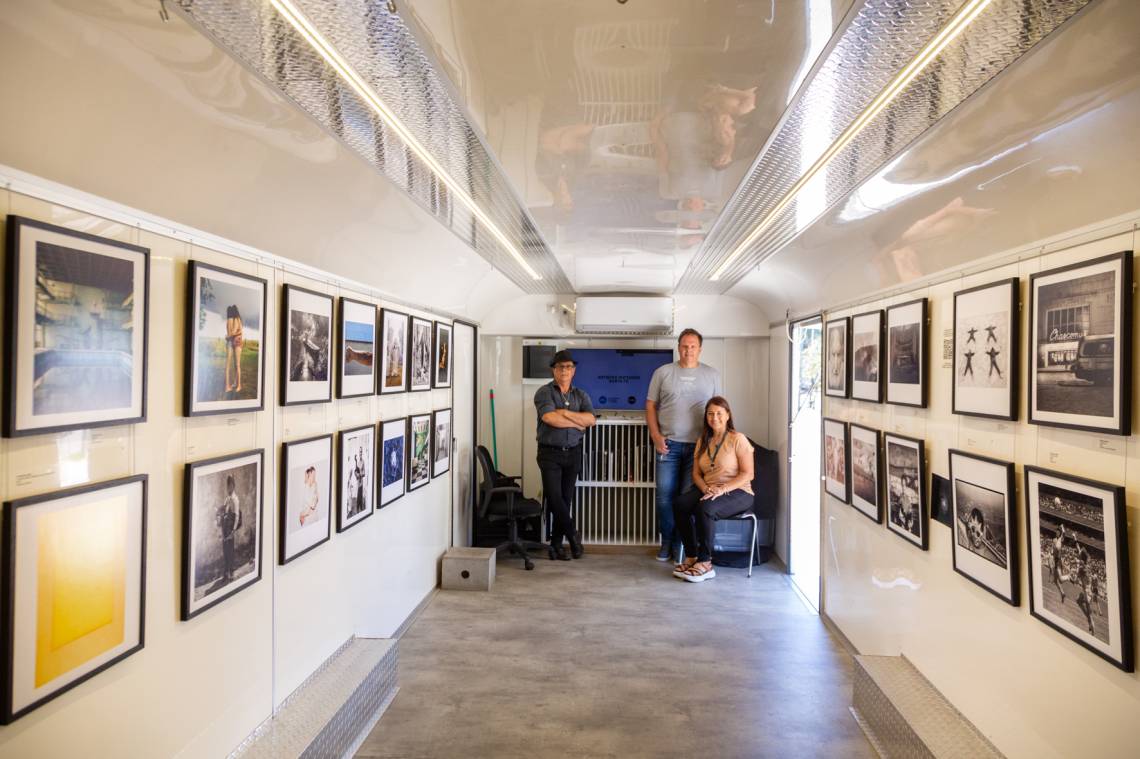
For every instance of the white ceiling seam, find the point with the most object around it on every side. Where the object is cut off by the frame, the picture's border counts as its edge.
(882, 36)
(383, 50)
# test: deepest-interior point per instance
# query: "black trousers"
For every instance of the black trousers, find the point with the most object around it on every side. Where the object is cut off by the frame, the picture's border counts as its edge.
(560, 471)
(696, 519)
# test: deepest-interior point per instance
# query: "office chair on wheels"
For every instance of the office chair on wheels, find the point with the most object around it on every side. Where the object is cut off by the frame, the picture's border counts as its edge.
(501, 500)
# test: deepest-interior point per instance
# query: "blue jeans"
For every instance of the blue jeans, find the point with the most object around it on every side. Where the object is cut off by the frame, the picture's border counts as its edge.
(674, 475)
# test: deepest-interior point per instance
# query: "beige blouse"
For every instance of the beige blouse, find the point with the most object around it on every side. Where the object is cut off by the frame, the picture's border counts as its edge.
(726, 465)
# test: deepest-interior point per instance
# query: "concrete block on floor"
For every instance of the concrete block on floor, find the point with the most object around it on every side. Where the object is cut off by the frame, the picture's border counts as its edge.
(468, 569)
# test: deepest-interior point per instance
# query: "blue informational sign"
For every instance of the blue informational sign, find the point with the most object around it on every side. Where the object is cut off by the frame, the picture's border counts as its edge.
(617, 379)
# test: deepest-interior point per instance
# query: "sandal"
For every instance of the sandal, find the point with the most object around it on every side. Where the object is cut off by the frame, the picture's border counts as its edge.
(699, 572)
(680, 569)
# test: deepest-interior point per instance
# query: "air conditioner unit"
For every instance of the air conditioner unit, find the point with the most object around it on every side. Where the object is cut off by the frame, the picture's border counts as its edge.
(624, 315)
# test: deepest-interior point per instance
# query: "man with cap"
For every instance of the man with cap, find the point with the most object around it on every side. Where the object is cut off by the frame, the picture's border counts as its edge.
(564, 414)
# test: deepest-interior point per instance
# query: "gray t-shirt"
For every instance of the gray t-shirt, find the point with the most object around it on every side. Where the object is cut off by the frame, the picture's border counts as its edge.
(681, 395)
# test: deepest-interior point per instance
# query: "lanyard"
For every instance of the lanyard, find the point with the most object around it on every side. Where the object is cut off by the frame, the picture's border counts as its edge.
(715, 453)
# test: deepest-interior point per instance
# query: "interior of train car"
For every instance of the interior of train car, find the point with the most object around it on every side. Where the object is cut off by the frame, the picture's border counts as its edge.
(607, 378)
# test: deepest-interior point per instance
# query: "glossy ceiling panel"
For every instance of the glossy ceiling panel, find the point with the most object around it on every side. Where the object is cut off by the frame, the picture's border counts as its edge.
(1048, 148)
(625, 127)
(378, 45)
(882, 37)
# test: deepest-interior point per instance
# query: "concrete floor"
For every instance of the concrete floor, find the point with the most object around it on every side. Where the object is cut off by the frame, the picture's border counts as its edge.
(611, 656)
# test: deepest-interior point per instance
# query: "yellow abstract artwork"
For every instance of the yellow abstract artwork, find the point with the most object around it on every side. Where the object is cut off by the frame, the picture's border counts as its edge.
(81, 593)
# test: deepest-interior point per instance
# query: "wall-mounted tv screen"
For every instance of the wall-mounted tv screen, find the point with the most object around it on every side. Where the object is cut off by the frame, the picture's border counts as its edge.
(618, 379)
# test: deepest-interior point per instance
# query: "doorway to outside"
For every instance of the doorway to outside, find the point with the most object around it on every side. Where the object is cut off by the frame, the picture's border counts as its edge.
(804, 433)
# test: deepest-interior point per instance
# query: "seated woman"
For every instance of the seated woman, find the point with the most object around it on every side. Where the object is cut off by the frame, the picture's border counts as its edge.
(722, 474)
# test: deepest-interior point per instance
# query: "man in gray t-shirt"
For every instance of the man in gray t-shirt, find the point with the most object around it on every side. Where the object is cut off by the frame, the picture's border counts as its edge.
(674, 411)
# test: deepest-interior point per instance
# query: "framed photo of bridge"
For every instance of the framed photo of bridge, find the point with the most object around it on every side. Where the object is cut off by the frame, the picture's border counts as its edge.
(1080, 345)
(76, 330)
(1077, 541)
(984, 544)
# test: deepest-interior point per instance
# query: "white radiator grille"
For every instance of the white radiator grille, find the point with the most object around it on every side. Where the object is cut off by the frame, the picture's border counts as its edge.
(614, 501)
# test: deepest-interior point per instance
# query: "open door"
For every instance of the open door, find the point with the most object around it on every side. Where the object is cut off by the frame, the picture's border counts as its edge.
(463, 407)
(805, 419)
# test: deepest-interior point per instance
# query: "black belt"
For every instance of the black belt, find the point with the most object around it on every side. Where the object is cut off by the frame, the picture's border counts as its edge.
(544, 446)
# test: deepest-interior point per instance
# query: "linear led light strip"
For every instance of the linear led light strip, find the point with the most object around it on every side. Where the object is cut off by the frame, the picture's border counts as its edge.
(963, 18)
(334, 59)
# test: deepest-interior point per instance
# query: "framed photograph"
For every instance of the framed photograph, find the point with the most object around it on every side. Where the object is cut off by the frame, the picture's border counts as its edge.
(394, 358)
(306, 346)
(906, 480)
(440, 441)
(986, 338)
(1080, 372)
(1077, 540)
(419, 451)
(985, 524)
(225, 321)
(76, 330)
(835, 450)
(420, 357)
(838, 364)
(221, 529)
(356, 371)
(393, 455)
(356, 487)
(306, 493)
(74, 588)
(866, 472)
(906, 353)
(941, 500)
(867, 356)
(441, 364)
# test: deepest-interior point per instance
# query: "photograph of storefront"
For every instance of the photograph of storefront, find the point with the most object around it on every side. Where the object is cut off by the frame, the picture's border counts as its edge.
(1075, 345)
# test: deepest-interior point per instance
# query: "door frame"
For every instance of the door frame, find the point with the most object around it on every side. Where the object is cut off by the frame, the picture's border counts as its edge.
(473, 490)
(789, 331)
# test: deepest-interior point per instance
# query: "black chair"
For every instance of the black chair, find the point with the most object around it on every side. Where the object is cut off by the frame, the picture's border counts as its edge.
(765, 485)
(501, 500)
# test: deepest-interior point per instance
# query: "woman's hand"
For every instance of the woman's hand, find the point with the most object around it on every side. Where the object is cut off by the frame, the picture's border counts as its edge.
(713, 491)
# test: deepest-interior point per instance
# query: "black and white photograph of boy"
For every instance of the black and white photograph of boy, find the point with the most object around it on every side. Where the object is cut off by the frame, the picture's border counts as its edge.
(223, 528)
(905, 469)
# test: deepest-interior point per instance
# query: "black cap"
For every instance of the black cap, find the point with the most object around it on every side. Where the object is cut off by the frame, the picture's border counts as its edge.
(562, 356)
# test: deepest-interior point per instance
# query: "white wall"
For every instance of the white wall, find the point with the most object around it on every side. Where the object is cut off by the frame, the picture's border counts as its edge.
(1033, 692)
(198, 688)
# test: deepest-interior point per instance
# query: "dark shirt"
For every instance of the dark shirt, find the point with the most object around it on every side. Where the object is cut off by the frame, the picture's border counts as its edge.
(547, 399)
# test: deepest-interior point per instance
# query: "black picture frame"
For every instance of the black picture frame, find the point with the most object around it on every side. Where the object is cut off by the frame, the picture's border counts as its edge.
(898, 490)
(390, 329)
(838, 490)
(22, 362)
(284, 554)
(415, 481)
(344, 521)
(871, 510)
(345, 382)
(983, 493)
(907, 332)
(14, 510)
(192, 406)
(867, 359)
(189, 609)
(442, 344)
(306, 391)
(1082, 355)
(420, 352)
(837, 359)
(403, 425)
(974, 309)
(436, 467)
(1114, 535)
